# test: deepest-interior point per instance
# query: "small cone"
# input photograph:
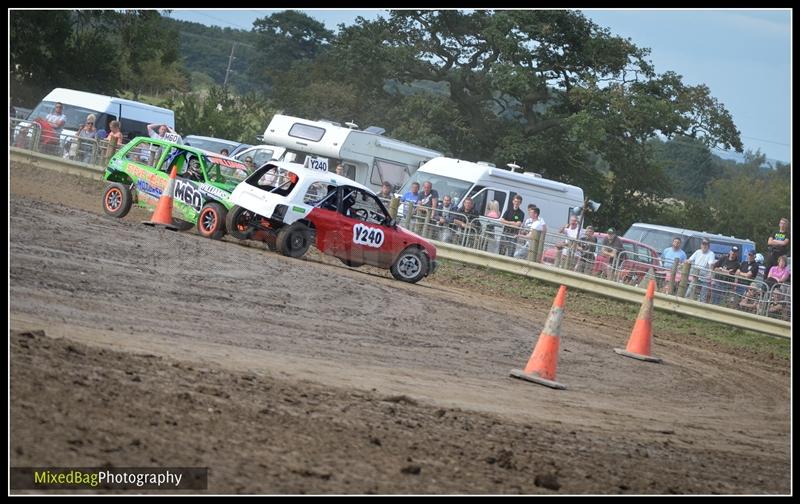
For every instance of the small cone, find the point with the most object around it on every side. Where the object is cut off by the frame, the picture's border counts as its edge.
(541, 367)
(639, 342)
(163, 214)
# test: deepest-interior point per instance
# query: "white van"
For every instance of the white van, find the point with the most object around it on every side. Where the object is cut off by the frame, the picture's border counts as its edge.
(133, 116)
(368, 157)
(484, 183)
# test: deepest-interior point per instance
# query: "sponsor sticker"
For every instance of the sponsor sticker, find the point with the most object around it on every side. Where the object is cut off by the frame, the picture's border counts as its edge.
(298, 209)
(213, 191)
(369, 236)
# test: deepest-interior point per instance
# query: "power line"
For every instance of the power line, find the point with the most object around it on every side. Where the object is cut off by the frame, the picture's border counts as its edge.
(762, 140)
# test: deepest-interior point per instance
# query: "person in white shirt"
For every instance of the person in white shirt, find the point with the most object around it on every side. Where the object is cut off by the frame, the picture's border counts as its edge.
(533, 222)
(702, 261)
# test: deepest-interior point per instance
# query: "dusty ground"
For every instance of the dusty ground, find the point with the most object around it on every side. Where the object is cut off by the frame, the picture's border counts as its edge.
(304, 376)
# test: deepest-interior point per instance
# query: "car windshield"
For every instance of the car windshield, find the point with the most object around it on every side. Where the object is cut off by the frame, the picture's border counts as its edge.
(210, 145)
(455, 188)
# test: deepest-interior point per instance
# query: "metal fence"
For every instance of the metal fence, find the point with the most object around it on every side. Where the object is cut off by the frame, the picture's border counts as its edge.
(626, 267)
(29, 135)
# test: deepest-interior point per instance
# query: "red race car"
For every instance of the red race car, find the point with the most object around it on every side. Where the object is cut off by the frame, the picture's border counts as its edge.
(290, 207)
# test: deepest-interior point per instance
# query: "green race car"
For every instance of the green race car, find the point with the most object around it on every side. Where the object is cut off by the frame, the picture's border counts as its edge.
(139, 172)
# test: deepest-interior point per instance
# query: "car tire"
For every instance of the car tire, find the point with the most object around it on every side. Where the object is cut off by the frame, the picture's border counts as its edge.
(410, 266)
(211, 221)
(294, 240)
(236, 223)
(117, 200)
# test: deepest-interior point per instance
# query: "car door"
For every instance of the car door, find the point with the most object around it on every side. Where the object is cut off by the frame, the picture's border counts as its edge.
(188, 200)
(362, 233)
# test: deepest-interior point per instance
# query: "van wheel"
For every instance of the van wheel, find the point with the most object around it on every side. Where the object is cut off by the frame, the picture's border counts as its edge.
(117, 200)
(211, 221)
(294, 240)
(410, 266)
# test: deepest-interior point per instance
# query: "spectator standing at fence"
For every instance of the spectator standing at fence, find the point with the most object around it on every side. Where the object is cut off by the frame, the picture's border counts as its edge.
(160, 134)
(513, 220)
(570, 229)
(428, 198)
(587, 247)
(493, 209)
(114, 137)
(444, 217)
(533, 222)
(749, 301)
(386, 191)
(56, 118)
(340, 169)
(612, 247)
(777, 244)
(674, 253)
(724, 273)
(86, 131)
(748, 270)
(470, 214)
(412, 194)
(702, 260)
(778, 273)
(224, 152)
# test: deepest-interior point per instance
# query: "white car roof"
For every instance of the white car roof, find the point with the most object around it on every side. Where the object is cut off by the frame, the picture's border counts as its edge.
(310, 176)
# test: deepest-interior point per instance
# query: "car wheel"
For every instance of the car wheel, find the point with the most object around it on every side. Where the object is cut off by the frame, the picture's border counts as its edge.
(294, 240)
(410, 266)
(117, 200)
(211, 221)
(352, 264)
(237, 224)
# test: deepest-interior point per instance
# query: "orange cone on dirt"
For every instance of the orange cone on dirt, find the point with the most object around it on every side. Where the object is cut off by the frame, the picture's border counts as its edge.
(541, 367)
(639, 342)
(163, 214)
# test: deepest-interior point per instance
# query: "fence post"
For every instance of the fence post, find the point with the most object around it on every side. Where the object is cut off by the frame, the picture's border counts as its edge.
(671, 281)
(533, 245)
(685, 267)
(426, 213)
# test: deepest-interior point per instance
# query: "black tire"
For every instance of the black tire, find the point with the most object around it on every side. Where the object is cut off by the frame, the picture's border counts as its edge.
(294, 240)
(237, 223)
(352, 264)
(117, 200)
(211, 221)
(410, 266)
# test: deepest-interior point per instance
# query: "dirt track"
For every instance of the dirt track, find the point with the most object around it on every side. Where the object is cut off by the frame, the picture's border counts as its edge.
(293, 376)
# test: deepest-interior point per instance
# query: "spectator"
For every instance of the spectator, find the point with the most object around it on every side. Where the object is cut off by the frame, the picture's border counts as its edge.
(163, 129)
(386, 191)
(428, 198)
(86, 131)
(513, 219)
(750, 300)
(672, 254)
(248, 164)
(463, 223)
(493, 210)
(533, 222)
(587, 248)
(412, 194)
(702, 260)
(612, 246)
(724, 273)
(778, 303)
(748, 270)
(23, 140)
(778, 273)
(114, 137)
(444, 217)
(777, 244)
(571, 231)
(56, 118)
(224, 152)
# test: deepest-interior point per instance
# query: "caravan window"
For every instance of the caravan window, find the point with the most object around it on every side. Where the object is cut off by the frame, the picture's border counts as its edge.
(457, 189)
(306, 132)
(395, 173)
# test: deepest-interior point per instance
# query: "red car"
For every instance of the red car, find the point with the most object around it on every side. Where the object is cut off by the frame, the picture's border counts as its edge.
(636, 260)
(290, 207)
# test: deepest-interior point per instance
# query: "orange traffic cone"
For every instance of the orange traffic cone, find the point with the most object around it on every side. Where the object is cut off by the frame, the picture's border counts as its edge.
(639, 342)
(541, 367)
(163, 214)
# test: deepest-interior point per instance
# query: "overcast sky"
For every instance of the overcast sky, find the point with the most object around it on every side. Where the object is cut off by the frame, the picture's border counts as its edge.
(743, 56)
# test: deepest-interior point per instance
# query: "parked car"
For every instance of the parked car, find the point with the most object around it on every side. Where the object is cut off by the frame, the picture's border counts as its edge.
(290, 207)
(636, 261)
(212, 144)
(139, 173)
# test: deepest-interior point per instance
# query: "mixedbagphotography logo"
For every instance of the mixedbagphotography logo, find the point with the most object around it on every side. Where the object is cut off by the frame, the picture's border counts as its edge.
(109, 478)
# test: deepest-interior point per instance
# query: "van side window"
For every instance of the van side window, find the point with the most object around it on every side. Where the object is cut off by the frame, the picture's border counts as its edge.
(393, 172)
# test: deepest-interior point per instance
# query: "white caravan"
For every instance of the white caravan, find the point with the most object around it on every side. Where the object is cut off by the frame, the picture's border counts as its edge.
(368, 157)
(484, 182)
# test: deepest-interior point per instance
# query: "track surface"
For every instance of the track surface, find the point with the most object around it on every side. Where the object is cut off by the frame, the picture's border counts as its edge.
(305, 376)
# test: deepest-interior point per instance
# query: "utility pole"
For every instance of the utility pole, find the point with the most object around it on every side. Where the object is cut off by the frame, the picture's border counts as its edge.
(228, 71)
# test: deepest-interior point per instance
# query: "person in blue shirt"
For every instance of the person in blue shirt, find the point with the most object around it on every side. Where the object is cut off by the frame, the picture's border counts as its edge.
(674, 252)
(413, 194)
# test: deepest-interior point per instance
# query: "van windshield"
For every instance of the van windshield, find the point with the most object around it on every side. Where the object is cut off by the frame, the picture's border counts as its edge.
(75, 116)
(455, 188)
